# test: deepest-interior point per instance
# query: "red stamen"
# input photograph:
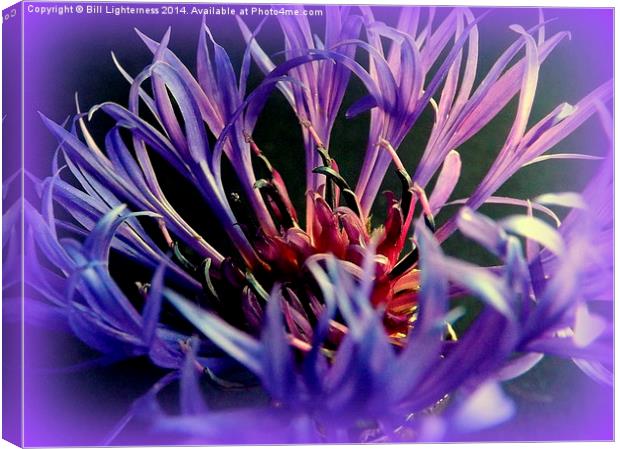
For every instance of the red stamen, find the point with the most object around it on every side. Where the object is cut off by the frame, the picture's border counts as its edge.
(166, 234)
(306, 123)
(392, 152)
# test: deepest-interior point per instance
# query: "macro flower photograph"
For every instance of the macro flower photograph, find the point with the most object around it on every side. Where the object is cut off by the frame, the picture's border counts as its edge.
(309, 224)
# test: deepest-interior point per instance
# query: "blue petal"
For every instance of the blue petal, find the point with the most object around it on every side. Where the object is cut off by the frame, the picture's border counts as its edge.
(235, 343)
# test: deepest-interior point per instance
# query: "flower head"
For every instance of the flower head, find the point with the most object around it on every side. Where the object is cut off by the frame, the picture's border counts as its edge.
(347, 324)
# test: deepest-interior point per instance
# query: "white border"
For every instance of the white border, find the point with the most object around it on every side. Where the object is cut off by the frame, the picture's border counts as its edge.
(501, 3)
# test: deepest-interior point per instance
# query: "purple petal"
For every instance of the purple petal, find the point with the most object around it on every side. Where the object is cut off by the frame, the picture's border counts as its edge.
(518, 366)
(152, 308)
(588, 326)
(575, 156)
(425, 341)
(235, 343)
(596, 371)
(536, 230)
(528, 89)
(192, 402)
(483, 230)
(487, 406)
(564, 199)
(278, 373)
(448, 177)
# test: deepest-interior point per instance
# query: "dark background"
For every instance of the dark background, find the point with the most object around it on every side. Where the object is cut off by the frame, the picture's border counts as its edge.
(72, 54)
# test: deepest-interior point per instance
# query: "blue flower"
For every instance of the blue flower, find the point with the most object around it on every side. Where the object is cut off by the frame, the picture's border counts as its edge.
(348, 327)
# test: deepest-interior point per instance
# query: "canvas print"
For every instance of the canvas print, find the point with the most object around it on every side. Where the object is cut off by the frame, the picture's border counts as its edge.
(283, 224)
